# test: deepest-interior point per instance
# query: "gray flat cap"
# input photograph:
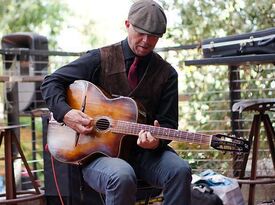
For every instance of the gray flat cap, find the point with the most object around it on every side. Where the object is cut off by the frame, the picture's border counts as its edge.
(148, 17)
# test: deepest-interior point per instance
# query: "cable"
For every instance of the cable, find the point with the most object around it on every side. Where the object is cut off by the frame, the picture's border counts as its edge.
(55, 180)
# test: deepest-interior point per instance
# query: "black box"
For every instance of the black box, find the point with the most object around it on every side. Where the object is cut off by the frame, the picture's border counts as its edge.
(259, 42)
(26, 60)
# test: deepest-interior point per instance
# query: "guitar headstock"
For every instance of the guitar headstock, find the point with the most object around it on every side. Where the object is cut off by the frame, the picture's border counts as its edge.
(228, 143)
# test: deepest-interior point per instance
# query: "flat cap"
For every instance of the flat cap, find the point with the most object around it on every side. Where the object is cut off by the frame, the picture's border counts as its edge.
(148, 17)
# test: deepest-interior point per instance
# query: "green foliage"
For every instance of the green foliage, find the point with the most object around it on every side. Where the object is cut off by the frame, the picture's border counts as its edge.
(198, 19)
(207, 88)
(40, 16)
(90, 34)
(207, 108)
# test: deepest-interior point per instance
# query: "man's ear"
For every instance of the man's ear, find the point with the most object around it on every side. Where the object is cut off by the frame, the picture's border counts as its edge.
(127, 23)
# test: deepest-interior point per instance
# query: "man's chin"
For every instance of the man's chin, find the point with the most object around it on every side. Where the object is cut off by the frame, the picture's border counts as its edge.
(143, 52)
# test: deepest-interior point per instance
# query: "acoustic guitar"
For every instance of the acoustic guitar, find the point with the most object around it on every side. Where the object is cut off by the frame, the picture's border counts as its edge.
(115, 118)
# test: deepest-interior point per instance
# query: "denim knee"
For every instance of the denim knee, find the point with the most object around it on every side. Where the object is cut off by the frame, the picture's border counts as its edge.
(123, 181)
(182, 173)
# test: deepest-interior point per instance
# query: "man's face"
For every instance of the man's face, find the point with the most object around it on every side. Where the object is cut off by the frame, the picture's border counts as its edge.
(141, 44)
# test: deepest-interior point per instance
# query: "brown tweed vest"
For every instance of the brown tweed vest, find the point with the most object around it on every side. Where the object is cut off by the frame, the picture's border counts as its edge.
(113, 79)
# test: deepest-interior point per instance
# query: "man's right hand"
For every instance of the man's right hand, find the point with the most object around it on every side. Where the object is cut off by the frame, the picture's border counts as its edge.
(79, 121)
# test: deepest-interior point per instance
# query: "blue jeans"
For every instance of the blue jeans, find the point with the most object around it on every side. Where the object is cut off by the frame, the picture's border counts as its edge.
(116, 178)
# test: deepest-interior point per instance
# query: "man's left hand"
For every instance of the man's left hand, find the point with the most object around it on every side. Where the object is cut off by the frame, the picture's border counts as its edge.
(146, 140)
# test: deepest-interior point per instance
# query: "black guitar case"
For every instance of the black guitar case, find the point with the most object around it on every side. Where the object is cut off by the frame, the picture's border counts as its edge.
(259, 42)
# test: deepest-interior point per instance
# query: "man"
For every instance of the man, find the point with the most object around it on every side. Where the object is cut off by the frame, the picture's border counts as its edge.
(155, 85)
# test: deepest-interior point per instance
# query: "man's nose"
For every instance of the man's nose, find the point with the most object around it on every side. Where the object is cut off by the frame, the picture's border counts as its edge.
(145, 38)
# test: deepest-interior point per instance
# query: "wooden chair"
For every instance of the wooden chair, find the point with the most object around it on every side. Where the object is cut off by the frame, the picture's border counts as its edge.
(12, 195)
(260, 107)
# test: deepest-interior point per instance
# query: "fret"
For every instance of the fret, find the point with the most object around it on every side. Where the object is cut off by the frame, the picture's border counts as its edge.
(168, 133)
(200, 138)
(178, 134)
(132, 128)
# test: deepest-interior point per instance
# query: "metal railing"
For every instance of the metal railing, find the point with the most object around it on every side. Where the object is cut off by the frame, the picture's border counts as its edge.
(205, 103)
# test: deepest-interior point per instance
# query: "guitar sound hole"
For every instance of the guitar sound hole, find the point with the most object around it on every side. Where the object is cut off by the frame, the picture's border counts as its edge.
(102, 124)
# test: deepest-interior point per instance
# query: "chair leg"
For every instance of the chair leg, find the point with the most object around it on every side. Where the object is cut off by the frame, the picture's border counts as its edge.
(9, 167)
(255, 127)
(253, 140)
(102, 198)
(253, 176)
(147, 199)
(31, 176)
(270, 133)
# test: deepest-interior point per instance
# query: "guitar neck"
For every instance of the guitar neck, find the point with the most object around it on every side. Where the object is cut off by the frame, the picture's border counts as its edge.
(131, 128)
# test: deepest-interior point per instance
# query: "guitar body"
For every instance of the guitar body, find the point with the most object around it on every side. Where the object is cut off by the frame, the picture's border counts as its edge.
(105, 111)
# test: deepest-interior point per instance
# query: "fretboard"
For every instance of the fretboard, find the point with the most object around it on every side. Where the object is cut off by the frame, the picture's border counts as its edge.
(131, 128)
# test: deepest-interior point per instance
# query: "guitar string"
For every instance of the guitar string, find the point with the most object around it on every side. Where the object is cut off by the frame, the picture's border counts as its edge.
(164, 131)
(189, 136)
(177, 135)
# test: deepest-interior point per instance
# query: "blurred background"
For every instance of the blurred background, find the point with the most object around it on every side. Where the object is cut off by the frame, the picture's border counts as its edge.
(69, 28)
